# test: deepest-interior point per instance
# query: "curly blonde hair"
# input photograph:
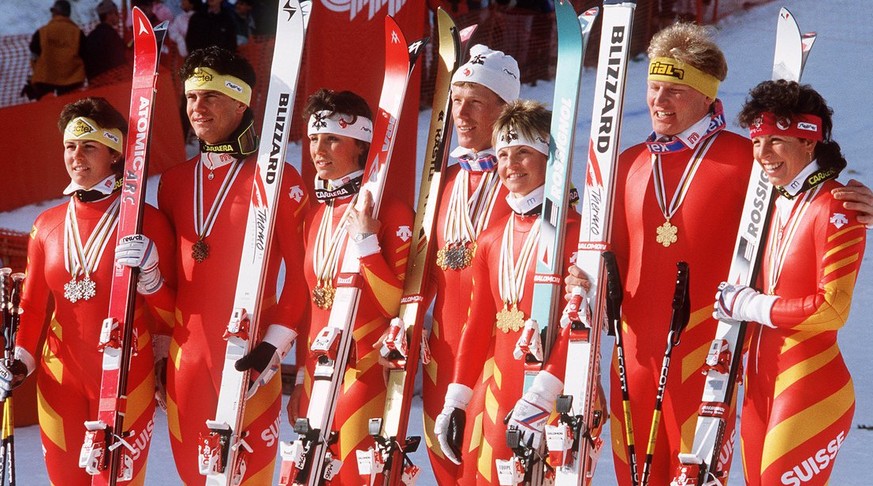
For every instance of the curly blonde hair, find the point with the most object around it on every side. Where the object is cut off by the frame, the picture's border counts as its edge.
(691, 44)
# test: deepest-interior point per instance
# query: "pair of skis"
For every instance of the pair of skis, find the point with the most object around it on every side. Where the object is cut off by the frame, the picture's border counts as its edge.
(10, 313)
(389, 463)
(223, 448)
(310, 459)
(705, 464)
(527, 465)
(106, 453)
(574, 443)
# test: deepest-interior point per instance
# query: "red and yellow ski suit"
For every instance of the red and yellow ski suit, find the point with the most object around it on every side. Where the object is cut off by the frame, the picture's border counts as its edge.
(799, 398)
(454, 290)
(482, 341)
(70, 364)
(363, 388)
(204, 304)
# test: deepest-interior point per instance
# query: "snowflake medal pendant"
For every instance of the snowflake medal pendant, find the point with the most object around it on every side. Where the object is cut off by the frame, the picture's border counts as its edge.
(510, 319)
(323, 295)
(200, 251)
(667, 234)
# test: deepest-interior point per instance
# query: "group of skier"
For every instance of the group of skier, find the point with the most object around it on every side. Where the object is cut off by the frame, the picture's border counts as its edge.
(684, 175)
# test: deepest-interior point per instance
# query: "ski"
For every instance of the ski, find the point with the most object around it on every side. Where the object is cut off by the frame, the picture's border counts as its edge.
(10, 308)
(575, 442)
(223, 448)
(309, 459)
(389, 462)
(106, 453)
(704, 464)
(541, 328)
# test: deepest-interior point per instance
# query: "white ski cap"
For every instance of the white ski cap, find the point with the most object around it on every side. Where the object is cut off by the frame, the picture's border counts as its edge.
(493, 69)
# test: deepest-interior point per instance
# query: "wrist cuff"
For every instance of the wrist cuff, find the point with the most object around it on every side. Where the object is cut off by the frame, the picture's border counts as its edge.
(547, 386)
(281, 337)
(758, 309)
(25, 357)
(458, 395)
(368, 245)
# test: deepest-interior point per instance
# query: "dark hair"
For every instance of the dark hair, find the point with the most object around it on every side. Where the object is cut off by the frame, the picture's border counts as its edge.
(345, 102)
(222, 61)
(95, 108)
(99, 110)
(529, 117)
(786, 99)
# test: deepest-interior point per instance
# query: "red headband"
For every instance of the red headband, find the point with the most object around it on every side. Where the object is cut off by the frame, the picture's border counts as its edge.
(801, 126)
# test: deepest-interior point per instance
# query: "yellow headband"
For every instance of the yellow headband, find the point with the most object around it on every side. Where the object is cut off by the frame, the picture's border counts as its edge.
(83, 128)
(674, 71)
(208, 79)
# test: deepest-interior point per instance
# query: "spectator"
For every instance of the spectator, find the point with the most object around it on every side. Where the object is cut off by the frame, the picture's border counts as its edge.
(211, 26)
(161, 11)
(104, 48)
(179, 26)
(56, 51)
(244, 20)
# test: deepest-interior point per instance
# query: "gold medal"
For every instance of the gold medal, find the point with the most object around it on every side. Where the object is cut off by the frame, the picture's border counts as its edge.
(510, 319)
(323, 295)
(667, 234)
(200, 251)
(456, 256)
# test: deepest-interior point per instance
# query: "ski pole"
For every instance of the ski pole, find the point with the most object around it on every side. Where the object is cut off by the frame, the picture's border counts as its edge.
(614, 295)
(681, 314)
(11, 313)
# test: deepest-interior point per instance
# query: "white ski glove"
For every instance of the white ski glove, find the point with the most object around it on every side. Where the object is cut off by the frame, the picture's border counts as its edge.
(138, 251)
(449, 424)
(742, 303)
(531, 412)
(265, 359)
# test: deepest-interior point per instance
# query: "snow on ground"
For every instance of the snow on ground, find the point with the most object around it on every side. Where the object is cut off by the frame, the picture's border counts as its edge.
(841, 64)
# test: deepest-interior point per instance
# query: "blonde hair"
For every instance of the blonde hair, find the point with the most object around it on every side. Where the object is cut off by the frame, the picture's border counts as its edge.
(691, 44)
(528, 117)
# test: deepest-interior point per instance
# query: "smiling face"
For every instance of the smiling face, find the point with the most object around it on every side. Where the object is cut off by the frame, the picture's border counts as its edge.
(782, 157)
(88, 162)
(475, 108)
(675, 107)
(334, 156)
(213, 115)
(521, 169)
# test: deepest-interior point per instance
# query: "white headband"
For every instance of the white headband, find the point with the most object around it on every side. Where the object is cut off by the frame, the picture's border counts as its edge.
(340, 124)
(510, 137)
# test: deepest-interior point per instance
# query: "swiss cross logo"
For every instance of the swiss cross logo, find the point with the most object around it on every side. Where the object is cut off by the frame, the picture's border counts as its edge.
(296, 193)
(839, 220)
(404, 233)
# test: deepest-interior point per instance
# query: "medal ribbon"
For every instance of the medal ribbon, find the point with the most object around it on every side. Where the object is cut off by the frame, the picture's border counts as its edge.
(326, 256)
(684, 183)
(201, 227)
(468, 215)
(84, 259)
(511, 272)
(780, 241)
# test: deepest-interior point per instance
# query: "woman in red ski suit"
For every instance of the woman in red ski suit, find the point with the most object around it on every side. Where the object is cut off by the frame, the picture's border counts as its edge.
(66, 296)
(503, 276)
(340, 130)
(799, 398)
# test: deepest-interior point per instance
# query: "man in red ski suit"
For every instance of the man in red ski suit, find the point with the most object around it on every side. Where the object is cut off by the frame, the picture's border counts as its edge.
(66, 296)
(503, 272)
(799, 399)
(473, 198)
(207, 201)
